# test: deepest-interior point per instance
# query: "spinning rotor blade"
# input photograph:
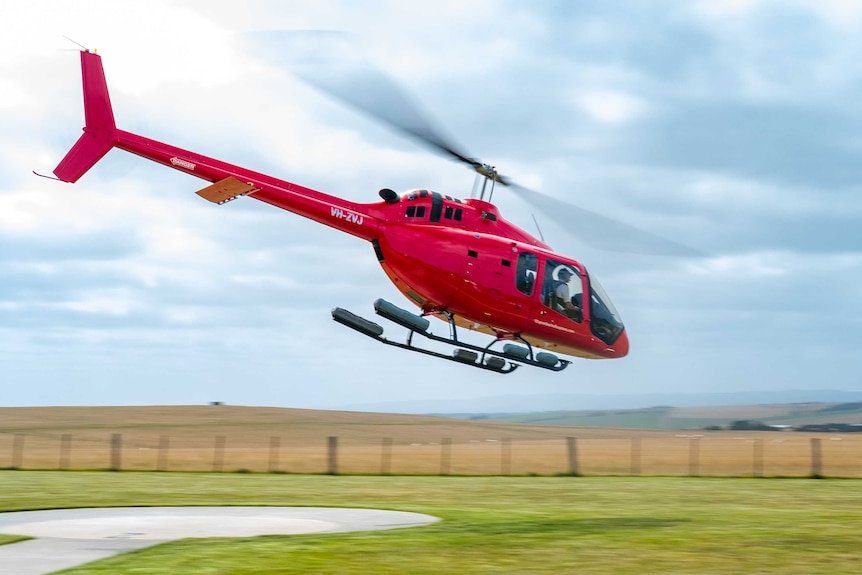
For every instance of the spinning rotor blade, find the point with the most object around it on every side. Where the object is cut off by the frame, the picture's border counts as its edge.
(601, 232)
(329, 61)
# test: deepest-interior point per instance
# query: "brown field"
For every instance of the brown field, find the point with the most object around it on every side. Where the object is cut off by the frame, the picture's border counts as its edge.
(229, 438)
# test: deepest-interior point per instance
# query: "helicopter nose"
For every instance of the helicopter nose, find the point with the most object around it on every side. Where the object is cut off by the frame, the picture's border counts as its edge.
(621, 345)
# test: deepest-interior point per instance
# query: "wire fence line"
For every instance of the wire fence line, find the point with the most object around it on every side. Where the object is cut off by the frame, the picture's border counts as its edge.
(693, 455)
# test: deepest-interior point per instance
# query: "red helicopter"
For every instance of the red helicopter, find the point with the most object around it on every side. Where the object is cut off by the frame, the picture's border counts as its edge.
(456, 259)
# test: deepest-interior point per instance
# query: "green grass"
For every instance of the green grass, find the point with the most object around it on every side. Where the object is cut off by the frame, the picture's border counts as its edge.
(491, 525)
(6, 539)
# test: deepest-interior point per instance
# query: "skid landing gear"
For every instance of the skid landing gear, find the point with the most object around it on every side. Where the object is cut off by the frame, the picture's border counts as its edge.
(480, 357)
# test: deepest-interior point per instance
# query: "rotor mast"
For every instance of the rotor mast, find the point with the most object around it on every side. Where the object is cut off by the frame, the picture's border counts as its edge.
(487, 173)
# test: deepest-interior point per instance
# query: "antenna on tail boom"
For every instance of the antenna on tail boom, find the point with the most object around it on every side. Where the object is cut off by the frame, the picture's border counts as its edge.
(78, 44)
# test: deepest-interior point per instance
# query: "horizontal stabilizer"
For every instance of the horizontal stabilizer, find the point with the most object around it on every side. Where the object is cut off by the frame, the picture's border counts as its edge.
(89, 149)
(225, 190)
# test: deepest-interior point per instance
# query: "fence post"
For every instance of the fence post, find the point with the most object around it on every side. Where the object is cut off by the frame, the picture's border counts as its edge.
(386, 456)
(636, 456)
(218, 453)
(116, 451)
(445, 455)
(694, 457)
(65, 451)
(758, 457)
(816, 460)
(274, 451)
(333, 454)
(506, 456)
(572, 448)
(164, 447)
(18, 451)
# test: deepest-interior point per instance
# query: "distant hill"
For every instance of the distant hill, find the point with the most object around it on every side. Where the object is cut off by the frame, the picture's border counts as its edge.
(142, 425)
(585, 401)
(667, 417)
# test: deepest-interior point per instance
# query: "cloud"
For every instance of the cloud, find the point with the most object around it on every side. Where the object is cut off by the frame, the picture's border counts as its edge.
(611, 107)
(729, 126)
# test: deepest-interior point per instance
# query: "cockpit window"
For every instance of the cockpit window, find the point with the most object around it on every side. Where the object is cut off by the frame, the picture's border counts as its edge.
(561, 289)
(605, 322)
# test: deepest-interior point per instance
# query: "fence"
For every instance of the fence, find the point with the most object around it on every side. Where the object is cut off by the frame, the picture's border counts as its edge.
(766, 455)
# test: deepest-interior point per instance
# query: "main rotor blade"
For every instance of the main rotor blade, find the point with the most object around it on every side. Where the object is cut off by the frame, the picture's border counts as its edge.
(330, 62)
(601, 232)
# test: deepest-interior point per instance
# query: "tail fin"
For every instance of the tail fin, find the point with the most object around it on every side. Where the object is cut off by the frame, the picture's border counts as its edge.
(100, 131)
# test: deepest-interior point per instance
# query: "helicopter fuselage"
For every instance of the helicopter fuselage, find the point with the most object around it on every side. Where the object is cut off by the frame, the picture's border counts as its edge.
(489, 273)
(450, 257)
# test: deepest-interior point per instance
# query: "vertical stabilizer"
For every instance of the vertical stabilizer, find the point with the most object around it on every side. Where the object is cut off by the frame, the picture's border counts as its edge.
(100, 131)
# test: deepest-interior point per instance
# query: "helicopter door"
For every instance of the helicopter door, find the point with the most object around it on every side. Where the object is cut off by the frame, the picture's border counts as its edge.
(505, 282)
(526, 282)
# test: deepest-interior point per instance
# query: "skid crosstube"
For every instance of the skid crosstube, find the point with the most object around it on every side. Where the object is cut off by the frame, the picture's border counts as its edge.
(375, 331)
(465, 353)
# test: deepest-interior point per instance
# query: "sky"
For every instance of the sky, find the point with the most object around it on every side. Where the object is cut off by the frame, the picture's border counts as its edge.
(732, 126)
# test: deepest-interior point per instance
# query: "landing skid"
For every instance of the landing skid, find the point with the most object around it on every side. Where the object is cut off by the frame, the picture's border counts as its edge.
(465, 353)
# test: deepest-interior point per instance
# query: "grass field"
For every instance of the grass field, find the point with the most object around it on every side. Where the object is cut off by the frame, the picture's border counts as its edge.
(506, 525)
(186, 438)
(6, 539)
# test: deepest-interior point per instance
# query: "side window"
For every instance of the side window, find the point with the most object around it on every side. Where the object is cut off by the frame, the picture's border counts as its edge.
(415, 211)
(452, 213)
(562, 289)
(525, 276)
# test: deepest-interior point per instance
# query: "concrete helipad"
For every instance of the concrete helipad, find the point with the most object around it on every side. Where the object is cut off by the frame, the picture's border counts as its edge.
(70, 537)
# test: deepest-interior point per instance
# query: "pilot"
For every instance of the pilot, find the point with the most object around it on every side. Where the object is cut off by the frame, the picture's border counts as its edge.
(560, 296)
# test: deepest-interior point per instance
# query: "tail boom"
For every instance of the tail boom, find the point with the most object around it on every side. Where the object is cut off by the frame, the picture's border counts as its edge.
(101, 135)
(361, 220)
